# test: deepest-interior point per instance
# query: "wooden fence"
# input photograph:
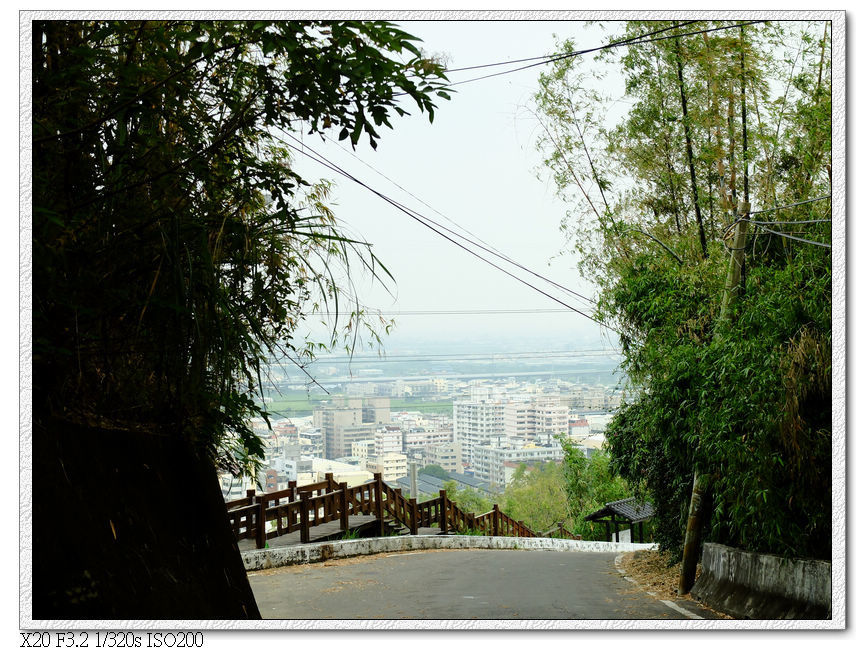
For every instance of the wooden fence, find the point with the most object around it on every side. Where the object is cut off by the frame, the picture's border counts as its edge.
(301, 508)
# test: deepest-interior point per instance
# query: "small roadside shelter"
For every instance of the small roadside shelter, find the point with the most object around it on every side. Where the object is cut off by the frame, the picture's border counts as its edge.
(628, 512)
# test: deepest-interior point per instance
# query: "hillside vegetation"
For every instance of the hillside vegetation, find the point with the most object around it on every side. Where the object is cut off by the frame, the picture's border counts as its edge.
(729, 364)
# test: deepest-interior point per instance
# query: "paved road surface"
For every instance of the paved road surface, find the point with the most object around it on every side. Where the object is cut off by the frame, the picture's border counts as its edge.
(457, 584)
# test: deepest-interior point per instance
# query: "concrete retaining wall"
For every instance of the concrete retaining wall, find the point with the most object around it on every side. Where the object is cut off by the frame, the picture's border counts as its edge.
(757, 586)
(321, 551)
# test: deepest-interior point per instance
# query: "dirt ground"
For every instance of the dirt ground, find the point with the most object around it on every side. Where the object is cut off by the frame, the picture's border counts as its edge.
(652, 572)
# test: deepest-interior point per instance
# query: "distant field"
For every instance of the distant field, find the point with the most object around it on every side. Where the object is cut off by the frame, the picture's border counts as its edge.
(442, 406)
(296, 403)
(299, 404)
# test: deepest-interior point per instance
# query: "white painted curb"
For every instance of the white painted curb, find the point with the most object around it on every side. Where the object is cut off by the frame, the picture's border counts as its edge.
(271, 558)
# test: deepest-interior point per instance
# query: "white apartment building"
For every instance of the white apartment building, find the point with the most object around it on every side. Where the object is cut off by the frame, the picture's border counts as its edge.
(478, 423)
(363, 448)
(535, 419)
(448, 456)
(490, 461)
(551, 419)
(417, 438)
(388, 440)
(391, 466)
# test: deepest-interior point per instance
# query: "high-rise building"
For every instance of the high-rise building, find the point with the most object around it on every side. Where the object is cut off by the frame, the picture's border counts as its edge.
(477, 422)
(535, 419)
(351, 421)
(388, 440)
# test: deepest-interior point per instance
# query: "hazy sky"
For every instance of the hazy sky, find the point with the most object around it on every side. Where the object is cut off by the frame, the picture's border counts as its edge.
(476, 165)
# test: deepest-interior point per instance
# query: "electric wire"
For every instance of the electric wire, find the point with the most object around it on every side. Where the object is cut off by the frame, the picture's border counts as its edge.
(790, 205)
(632, 41)
(455, 312)
(782, 223)
(421, 360)
(483, 245)
(547, 57)
(800, 239)
(746, 217)
(763, 224)
(425, 221)
(478, 356)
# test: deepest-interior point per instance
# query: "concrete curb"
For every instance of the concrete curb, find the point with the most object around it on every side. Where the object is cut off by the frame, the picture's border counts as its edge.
(322, 551)
(758, 586)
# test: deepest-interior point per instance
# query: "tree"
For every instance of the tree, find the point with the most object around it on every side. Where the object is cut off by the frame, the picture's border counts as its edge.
(175, 247)
(551, 492)
(467, 499)
(435, 470)
(536, 496)
(744, 399)
(589, 484)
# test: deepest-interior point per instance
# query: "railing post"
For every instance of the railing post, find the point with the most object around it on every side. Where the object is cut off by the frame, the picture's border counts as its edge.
(292, 486)
(304, 517)
(379, 503)
(414, 516)
(329, 478)
(261, 528)
(250, 497)
(443, 511)
(343, 507)
(495, 519)
(398, 505)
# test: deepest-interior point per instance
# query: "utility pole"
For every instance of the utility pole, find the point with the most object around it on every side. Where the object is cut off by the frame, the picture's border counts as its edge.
(702, 482)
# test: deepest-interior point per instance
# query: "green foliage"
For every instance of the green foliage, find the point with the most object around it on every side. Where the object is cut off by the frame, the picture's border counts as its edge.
(537, 497)
(175, 246)
(744, 397)
(467, 499)
(435, 470)
(567, 491)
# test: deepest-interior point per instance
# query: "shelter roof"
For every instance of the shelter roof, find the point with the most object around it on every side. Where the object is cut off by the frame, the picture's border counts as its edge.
(629, 509)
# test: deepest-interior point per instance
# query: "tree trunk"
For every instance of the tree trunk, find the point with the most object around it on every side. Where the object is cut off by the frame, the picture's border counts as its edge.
(130, 525)
(690, 150)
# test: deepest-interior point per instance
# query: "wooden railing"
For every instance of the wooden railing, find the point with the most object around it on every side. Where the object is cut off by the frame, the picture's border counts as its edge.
(558, 530)
(300, 508)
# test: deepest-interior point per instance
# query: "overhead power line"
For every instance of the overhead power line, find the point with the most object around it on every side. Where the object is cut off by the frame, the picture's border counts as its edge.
(547, 57)
(635, 40)
(427, 222)
(475, 356)
(800, 239)
(483, 245)
(442, 360)
(456, 312)
(747, 217)
(789, 205)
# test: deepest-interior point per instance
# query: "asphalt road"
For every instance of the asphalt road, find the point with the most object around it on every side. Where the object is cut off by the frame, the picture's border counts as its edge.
(457, 584)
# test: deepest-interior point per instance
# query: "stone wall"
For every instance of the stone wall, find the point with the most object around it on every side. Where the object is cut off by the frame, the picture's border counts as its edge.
(758, 586)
